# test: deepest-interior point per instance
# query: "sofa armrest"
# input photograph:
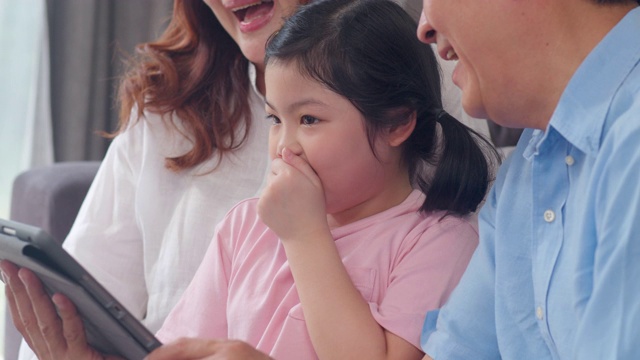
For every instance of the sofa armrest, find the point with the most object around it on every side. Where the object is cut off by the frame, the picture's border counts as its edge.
(48, 197)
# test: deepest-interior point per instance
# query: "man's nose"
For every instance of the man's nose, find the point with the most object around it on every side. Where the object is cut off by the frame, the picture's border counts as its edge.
(426, 33)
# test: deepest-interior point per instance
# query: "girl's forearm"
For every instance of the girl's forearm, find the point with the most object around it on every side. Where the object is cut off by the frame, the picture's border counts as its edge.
(338, 319)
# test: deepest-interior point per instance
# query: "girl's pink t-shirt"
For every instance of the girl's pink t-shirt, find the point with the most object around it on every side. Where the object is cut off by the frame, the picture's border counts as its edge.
(403, 262)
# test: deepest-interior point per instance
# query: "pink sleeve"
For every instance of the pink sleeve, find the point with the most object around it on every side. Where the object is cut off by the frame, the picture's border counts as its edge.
(424, 277)
(201, 311)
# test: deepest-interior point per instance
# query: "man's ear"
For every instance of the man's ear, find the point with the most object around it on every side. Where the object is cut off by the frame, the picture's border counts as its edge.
(399, 134)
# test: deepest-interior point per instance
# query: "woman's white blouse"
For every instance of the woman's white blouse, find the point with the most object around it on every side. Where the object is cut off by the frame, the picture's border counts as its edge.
(143, 229)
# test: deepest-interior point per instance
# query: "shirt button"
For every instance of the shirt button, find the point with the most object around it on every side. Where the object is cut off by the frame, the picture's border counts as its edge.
(569, 160)
(539, 313)
(549, 216)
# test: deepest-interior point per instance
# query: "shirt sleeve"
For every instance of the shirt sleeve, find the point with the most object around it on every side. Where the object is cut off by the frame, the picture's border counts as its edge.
(425, 276)
(105, 237)
(609, 325)
(465, 327)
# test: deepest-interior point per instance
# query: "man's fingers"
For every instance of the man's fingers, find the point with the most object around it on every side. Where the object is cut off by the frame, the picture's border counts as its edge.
(192, 349)
(186, 349)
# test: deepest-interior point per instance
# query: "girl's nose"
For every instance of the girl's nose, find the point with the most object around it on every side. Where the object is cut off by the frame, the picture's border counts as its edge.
(426, 33)
(289, 140)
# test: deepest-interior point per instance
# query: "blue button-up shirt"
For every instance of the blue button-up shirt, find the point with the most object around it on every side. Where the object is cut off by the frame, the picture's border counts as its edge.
(557, 272)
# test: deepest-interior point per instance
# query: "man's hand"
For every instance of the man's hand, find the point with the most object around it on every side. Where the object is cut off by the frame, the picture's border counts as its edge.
(191, 349)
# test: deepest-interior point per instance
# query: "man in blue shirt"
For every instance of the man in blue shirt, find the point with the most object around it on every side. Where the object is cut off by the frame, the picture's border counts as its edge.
(557, 271)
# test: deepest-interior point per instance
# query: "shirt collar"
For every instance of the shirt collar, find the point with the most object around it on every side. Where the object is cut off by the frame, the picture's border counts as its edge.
(253, 75)
(583, 106)
(535, 140)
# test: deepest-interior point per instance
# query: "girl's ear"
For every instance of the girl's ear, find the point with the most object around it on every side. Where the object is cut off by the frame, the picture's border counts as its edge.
(399, 134)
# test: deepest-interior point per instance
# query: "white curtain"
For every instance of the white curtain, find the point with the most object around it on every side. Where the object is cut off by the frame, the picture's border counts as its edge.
(25, 109)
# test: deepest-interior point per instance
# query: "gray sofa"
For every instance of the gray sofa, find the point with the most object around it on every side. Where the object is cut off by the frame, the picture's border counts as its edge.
(48, 197)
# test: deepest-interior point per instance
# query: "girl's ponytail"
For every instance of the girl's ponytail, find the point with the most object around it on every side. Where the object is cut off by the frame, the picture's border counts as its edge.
(389, 79)
(463, 169)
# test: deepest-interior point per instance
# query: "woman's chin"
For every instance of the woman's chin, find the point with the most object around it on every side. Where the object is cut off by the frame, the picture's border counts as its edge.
(254, 53)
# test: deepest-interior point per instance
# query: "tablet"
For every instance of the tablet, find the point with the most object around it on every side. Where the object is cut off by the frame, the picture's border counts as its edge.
(109, 327)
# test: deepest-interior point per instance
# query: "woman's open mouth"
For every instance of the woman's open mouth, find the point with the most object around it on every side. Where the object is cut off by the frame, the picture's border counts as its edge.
(253, 16)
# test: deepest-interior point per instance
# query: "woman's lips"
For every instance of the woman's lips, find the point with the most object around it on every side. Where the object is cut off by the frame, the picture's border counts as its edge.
(254, 16)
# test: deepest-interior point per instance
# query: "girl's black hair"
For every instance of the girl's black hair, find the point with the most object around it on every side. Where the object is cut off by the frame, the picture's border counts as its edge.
(367, 51)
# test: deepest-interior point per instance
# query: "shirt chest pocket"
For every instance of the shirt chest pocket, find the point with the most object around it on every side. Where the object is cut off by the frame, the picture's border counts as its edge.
(363, 279)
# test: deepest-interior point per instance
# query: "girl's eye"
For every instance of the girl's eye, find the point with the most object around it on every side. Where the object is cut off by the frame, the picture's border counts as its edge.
(308, 120)
(274, 119)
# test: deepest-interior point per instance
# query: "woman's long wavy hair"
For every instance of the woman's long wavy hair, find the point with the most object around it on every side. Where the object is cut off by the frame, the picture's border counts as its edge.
(196, 71)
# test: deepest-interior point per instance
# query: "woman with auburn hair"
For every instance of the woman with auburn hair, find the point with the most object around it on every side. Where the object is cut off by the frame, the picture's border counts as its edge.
(191, 143)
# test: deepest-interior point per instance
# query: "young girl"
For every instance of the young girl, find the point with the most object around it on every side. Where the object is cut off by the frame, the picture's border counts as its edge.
(351, 242)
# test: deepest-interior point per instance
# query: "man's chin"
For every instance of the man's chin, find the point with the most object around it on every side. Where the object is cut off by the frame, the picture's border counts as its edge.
(474, 108)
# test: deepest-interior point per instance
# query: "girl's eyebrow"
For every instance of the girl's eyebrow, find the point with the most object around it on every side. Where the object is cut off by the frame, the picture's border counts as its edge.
(298, 104)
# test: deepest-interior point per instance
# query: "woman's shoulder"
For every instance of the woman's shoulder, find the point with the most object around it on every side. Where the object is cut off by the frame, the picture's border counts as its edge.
(164, 134)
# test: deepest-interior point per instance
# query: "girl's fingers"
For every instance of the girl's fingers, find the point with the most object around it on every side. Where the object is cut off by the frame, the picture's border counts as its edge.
(301, 165)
